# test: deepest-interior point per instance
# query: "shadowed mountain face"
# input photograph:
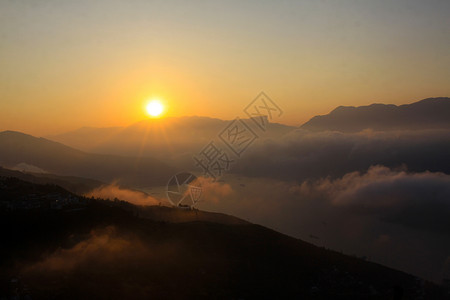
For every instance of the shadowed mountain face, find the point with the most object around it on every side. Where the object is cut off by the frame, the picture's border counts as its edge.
(76, 185)
(96, 249)
(18, 148)
(165, 138)
(429, 113)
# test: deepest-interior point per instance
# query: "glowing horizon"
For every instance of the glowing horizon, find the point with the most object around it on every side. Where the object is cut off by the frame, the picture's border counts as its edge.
(207, 60)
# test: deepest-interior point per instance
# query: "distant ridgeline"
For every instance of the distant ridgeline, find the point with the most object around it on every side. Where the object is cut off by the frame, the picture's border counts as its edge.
(430, 113)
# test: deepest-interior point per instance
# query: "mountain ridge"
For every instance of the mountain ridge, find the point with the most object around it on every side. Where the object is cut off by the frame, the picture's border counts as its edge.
(59, 159)
(428, 113)
(166, 138)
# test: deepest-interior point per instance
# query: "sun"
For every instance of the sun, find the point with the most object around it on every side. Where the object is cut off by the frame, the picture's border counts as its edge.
(155, 108)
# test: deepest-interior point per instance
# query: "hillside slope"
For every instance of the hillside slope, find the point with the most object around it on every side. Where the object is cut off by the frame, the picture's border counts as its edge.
(76, 185)
(17, 148)
(103, 251)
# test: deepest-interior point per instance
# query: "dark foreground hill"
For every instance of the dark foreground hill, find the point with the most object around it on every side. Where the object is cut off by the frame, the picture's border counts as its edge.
(96, 249)
(430, 113)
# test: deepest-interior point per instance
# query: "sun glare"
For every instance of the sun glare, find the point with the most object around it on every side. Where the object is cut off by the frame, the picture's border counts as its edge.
(155, 108)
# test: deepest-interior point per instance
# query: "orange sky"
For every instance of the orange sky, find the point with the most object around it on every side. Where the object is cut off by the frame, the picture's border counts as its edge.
(95, 63)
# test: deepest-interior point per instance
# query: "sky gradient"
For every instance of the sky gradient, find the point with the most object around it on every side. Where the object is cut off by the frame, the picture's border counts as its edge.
(67, 64)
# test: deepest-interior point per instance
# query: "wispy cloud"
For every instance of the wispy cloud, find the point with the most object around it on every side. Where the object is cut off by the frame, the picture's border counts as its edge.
(135, 197)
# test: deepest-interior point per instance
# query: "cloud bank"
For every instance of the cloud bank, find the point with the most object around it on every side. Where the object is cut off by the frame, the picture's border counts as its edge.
(392, 216)
(421, 200)
(303, 155)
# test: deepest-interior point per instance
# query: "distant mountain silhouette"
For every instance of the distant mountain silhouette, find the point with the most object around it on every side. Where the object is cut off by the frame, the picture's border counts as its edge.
(163, 138)
(56, 158)
(429, 113)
